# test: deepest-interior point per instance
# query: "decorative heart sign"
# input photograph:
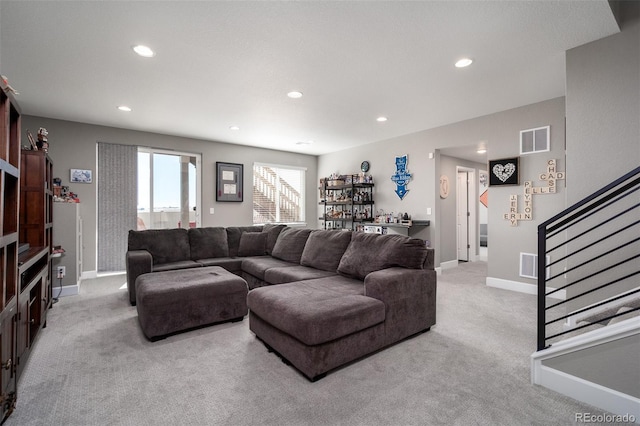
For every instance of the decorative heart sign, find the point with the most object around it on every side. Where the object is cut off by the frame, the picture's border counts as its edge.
(504, 172)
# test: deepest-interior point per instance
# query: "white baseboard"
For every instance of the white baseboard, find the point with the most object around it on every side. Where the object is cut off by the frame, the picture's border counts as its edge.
(588, 392)
(89, 275)
(583, 390)
(65, 290)
(522, 287)
(110, 274)
(448, 264)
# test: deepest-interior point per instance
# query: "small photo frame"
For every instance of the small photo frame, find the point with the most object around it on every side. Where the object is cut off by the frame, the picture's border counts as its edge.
(80, 176)
(229, 182)
(504, 172)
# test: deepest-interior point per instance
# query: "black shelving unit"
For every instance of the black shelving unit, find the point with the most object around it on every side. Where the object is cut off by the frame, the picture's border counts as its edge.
(347, 200)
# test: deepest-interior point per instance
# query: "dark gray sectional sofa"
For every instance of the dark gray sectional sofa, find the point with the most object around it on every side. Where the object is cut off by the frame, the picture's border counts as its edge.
(159, 250)
(319, 298)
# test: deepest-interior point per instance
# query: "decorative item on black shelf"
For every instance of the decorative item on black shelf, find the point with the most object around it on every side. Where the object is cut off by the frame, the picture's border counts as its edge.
(406, 219)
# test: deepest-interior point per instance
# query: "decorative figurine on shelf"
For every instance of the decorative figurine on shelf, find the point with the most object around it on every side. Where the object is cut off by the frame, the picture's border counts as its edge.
(43, 143)
(34, 146)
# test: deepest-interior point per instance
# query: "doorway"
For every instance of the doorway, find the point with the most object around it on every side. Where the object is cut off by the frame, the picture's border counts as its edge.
(483, 214)
(168, 189)
(465, 214)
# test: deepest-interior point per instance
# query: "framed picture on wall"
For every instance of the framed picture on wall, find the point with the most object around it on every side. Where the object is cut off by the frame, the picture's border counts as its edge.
(229, 182)
(80, 176)
(504, 172)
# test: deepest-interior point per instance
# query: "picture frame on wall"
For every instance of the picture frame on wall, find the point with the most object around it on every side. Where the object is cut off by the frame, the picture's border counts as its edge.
(504, 172)
(80, 176)
(229, 184)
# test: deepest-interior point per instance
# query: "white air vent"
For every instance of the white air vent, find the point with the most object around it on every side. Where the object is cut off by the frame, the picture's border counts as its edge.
(534, 140)
(529, 265)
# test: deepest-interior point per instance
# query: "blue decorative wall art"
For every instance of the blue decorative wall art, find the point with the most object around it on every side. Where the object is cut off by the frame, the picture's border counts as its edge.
(401, 177)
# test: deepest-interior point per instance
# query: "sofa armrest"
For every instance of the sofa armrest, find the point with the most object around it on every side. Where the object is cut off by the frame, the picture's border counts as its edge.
(138, 262)
(409, 296)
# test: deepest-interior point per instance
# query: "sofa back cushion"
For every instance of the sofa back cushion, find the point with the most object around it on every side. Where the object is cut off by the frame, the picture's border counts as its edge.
(165, 245)
(253, 244)
(372, 252)
(290, 244)
(207, 243)
(324, 249)
(273, 231)
(233, 237)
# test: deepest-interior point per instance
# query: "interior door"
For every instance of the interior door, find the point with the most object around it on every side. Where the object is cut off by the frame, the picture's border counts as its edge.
(462, 194)
(168, 189)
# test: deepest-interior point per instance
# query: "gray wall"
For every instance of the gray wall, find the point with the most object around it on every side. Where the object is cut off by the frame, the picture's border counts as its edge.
(603, 107)
(603, 115)
(598, 364)
(73, 145)
(603, 143)
(501, 132)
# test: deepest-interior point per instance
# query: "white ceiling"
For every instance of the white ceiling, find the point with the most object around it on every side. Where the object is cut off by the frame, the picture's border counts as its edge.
(224, 63)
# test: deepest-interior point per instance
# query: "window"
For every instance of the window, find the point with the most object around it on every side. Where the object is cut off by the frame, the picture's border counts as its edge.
(278, 194)
(168, 193)
(534, 140)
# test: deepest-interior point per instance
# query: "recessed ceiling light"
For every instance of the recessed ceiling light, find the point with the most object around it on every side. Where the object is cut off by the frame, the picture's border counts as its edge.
(381, 119)
(294, 94)
(304, 142)
(234, 128)
(124, 108)
(464, 62)
(482, 151)
(144, 51)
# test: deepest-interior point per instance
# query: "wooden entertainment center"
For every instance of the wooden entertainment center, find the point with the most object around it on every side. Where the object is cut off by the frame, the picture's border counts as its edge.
(26, 209)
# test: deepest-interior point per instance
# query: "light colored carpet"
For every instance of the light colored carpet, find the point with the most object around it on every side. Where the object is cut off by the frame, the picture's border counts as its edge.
(93, 366)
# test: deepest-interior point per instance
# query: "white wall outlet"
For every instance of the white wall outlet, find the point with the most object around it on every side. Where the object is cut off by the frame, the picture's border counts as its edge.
(429, 211)
(211, 210)
(62, 271)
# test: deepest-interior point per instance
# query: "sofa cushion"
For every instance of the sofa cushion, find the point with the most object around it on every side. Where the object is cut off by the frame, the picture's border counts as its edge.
(294, 273)
(273, 231)
(233, 237)
(231, 264)
(165, 245)
(324, 249)
(290, 244)
(372, 252)
(181, 264)
(252, 244)
(257, 266)
(207, 243)
(314, 317)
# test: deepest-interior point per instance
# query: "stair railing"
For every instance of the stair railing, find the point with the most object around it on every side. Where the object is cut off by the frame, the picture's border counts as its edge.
(588, 260)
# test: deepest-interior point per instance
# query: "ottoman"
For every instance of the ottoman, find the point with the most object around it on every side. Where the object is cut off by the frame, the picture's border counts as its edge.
(173, 301)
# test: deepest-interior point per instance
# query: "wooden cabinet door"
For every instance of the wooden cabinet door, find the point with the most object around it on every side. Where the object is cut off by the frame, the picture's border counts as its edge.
(7, 361)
